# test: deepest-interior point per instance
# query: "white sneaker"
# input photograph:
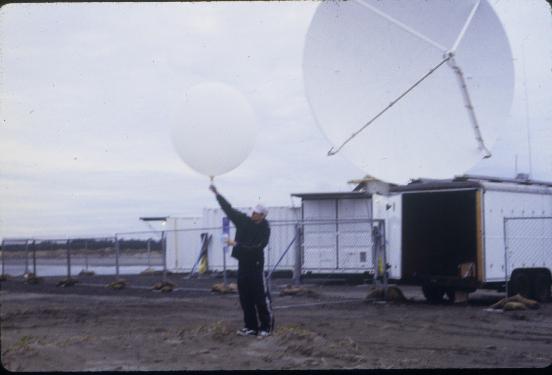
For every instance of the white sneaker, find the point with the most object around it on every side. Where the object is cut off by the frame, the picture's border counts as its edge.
(246, 332)
(263, 334)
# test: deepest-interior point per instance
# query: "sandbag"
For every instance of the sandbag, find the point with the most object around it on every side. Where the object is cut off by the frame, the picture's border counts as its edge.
(220, 288)
(67, 282)
(163, 285)
(394, 294)
(118, 284)
(513, 306)
(528, 303)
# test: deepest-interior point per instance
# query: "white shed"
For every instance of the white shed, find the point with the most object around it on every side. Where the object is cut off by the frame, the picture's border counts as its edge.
(336, 232)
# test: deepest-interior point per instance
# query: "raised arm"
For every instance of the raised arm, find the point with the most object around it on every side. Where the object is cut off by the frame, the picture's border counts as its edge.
(237, 217)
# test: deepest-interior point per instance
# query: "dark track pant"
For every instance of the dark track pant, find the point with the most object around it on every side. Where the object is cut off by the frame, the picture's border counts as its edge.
(255, 300)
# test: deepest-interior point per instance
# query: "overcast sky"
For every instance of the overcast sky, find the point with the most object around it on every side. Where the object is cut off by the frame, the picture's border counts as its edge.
(86, 90)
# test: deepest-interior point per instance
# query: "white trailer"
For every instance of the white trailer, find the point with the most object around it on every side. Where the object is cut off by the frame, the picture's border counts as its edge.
(183, 246)
(453, 235)
(445, 235)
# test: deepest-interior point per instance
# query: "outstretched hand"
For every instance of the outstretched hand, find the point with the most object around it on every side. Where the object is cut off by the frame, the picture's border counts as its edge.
(213, 189)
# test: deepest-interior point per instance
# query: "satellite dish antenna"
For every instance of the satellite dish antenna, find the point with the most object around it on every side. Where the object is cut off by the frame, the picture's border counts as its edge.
(214, 128)
(408, 89)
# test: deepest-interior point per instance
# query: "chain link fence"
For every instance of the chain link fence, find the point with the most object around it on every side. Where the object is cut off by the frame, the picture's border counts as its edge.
(339, 246)
(139, 252)
(90, 256)
(51, 257)
(58, 257)
(295, 249)
(528, 244)
(16, 256)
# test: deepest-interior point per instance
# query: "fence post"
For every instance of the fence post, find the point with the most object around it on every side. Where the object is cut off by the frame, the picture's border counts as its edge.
(3, 257)
(117, 256)
(267, 258)
(149, 252)
(376, 253)
(505, 237)
(34, 257)
(381, 226)
(86, 254)
(297, 263)
(225, 236)
(266, 272)
(68, 244)
(26, 257)
(164, 248)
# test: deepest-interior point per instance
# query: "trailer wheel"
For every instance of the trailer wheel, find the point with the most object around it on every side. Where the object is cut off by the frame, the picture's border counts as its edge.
(520, 283)
(451, 294)
(433, 293)
(542, 287)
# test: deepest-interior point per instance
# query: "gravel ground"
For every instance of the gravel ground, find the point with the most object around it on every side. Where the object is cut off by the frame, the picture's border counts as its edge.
(89, 327)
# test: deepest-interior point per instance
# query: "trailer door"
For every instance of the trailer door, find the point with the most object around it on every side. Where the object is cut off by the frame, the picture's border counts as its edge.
(354, 238)
(440, 235)
(320, 235)
(389, 209)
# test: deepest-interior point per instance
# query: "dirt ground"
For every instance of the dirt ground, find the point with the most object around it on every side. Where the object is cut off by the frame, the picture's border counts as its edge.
(88, 327)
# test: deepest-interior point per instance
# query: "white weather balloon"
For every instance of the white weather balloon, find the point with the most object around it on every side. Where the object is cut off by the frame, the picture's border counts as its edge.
(408, 89)
(214, 130)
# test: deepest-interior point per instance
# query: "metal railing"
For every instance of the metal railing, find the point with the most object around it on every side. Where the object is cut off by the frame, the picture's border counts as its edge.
(527, 244)
(299, 247)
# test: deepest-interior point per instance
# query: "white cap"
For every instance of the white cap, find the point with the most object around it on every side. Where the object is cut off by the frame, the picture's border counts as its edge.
(260, 209)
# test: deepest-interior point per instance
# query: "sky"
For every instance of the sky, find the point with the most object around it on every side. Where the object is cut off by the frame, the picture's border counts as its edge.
(86, 92)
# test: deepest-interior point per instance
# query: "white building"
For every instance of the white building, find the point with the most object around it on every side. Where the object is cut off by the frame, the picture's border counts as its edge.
(438, 229)
(184, 239)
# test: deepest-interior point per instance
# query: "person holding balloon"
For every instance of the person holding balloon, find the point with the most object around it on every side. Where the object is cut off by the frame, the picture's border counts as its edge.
(252, 235)
(218, 114)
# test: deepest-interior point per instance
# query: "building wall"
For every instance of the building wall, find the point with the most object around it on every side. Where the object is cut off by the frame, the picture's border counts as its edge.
(281, 220)
(389, 209)
(334, 246)
(183, 242)
(184, 239)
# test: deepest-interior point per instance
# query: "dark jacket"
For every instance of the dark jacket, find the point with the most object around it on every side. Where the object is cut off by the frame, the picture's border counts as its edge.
(251, 238)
